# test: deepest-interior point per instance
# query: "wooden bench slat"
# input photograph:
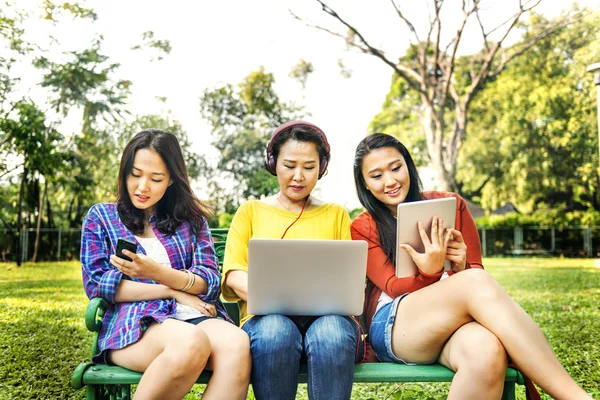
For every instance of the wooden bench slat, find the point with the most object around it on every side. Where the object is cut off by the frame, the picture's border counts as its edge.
(363, 373)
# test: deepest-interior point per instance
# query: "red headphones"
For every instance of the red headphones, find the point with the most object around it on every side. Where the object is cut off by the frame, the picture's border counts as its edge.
(270, 163)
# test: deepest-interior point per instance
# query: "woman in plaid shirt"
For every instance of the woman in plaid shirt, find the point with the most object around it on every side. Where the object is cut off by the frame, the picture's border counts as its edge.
(165, 318)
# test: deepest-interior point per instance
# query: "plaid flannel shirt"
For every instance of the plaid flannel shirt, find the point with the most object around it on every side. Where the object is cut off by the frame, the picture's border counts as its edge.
(124, 323)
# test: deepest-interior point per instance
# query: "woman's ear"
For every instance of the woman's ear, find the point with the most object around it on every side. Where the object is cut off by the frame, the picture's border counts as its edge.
(171, 182)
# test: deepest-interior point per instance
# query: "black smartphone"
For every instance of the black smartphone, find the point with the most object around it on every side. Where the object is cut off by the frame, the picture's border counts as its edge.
(123, 244)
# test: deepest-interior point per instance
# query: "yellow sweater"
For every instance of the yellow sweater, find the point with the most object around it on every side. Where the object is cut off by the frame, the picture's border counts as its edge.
(255, 219)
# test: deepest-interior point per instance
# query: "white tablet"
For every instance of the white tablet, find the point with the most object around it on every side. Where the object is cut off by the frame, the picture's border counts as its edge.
(407, 230)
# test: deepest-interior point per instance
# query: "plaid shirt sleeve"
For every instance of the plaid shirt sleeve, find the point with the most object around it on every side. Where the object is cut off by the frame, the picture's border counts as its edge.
(206, 264)
(100, 278)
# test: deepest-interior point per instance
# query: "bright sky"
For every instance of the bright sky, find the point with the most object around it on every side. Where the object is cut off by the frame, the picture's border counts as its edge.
(220, 42)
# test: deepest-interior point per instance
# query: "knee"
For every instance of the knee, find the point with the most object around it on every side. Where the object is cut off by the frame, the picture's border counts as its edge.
(239, 343)
(334, 335)
(480, 285)
(274, 334)
(189, 352)
(485, 357)
(231, 354)
(333, 329)
(234, 344)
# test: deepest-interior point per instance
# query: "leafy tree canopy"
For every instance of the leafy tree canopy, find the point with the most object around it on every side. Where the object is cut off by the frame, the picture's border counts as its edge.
(242, 119)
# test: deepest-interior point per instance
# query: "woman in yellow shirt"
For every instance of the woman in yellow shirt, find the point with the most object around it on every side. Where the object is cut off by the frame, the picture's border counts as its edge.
(298, 154)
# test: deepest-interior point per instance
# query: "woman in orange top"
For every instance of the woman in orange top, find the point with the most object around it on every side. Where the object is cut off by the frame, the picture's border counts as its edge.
(466, 322)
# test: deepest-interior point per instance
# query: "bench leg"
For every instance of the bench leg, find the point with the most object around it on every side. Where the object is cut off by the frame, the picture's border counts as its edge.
(509, 391)
(108, 392)
(125, 392)
(91, 392)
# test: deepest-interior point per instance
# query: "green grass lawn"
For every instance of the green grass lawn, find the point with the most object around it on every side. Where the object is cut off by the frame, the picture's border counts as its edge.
(43, 337)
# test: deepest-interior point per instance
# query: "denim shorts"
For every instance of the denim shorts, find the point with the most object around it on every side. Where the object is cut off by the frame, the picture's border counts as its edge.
(380, 332)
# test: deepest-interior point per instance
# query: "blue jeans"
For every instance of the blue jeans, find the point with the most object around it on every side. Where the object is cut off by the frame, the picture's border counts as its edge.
(278, 342)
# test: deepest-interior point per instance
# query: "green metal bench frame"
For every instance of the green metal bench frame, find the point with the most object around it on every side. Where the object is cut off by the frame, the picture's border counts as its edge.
(114, 383)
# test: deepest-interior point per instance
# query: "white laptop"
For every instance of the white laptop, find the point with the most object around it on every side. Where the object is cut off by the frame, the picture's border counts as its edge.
(407, 230)
(306, 277)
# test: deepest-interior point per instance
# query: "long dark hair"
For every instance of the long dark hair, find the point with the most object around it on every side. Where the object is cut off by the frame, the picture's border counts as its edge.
(386, 223)
(178, 204)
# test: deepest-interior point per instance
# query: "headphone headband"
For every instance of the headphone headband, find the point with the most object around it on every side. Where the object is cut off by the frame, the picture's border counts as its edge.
(323, 160)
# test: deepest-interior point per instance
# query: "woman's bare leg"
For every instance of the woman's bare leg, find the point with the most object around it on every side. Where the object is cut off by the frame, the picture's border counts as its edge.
(230, 360)
(427, 318)
(171, 355)
(479, 360)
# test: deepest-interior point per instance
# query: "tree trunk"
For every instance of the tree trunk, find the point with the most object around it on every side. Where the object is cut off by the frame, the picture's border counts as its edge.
(70, 211)
(39, 222)
(434, 138)
(443, 148)
(78, 214)
(49, 214)
(19, 217)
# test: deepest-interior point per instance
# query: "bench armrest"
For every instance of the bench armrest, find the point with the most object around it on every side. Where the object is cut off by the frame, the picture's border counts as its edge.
(94, 314)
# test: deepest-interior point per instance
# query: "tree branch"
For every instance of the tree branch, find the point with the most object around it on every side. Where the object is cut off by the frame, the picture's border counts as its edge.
(436, 51)
(535, 39)
(489, 57)
(450, 70)
(485, 35)
(406, 21)
(410, 75)
(9, 171)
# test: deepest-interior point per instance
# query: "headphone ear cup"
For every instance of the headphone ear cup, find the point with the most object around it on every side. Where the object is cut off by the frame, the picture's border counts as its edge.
(270, 164)
(323, 162)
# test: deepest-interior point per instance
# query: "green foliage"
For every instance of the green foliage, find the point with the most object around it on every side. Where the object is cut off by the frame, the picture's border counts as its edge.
(86, 81)
(399, 117)
(533, 131)
(225, 220)
(345, 72)
(162, 46)
(77, 168)
(242, 120)
(29, 136)
(53, 11)
(11, 32)
(301, 70)
(432, 108)
(26, 137)
(543, 217)
(354, 212)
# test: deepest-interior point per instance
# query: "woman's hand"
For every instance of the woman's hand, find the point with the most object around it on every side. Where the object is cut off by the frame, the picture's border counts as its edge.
(193, 301)
(432, 260)
(141, 266)
(457, 251)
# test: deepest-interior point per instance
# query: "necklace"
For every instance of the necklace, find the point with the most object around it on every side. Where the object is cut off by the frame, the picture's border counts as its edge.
(306, 202)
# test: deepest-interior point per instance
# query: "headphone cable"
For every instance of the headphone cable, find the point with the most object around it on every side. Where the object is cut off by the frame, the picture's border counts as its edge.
(297, 218)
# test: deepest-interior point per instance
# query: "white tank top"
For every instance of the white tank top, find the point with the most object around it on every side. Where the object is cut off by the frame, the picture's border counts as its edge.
(156, 251)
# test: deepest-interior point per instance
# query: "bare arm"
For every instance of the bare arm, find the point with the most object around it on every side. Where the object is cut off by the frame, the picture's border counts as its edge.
(143, 267)
(130, 291)
(238, 281)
